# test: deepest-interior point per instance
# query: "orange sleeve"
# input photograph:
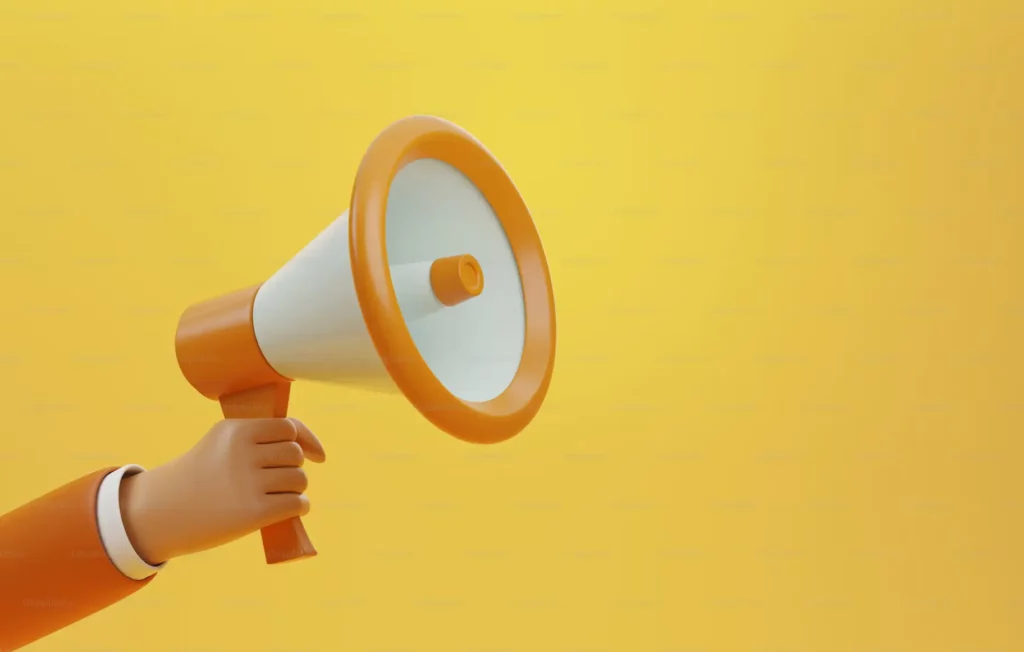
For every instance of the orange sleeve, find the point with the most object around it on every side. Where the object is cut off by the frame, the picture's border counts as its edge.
(54, 570)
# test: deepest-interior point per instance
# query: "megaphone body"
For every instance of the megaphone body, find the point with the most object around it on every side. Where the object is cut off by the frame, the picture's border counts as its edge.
(433, 284)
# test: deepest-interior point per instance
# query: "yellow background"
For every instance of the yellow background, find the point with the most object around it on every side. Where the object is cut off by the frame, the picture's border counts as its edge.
(785, 242)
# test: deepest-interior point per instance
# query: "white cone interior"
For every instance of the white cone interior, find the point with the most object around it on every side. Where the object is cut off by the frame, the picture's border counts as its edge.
(475, 347)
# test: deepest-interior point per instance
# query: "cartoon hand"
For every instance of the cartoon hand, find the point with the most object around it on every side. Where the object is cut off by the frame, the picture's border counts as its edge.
(243, 475)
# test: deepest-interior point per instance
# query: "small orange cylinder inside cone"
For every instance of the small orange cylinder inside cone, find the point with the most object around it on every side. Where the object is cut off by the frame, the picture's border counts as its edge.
(455, 279)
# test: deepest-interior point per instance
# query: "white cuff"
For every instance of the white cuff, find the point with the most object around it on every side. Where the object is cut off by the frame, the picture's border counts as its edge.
(111, 525)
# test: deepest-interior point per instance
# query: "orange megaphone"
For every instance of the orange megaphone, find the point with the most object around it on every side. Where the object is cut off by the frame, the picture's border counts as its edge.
(433, 284)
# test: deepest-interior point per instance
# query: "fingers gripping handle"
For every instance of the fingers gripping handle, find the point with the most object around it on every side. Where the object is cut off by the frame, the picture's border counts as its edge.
(287, 540)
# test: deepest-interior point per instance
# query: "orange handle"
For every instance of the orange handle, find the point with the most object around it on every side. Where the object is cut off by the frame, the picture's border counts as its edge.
(287, 540)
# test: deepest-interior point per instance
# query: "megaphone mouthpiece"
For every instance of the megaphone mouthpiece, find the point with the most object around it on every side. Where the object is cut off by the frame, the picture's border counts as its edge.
(455, 279)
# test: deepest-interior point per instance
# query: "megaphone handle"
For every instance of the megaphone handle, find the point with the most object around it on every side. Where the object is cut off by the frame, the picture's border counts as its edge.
(287, 540)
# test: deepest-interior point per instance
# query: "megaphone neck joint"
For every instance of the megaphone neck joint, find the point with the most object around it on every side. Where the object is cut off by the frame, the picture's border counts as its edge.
(217, 348)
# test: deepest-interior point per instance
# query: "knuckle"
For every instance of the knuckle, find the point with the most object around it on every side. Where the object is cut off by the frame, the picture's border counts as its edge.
(287, 428)
(237, 430)
(258, 426)
(290, 505)
(222, 429)
(300, 504)
(235, 441)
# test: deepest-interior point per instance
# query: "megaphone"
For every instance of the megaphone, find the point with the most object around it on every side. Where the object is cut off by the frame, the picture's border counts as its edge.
(433, 283)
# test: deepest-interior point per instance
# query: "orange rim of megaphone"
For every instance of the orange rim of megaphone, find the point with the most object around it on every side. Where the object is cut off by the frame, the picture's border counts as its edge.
(425, 137)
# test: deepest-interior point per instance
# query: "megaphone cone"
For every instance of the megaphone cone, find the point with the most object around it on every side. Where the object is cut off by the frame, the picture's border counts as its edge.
(434, 283)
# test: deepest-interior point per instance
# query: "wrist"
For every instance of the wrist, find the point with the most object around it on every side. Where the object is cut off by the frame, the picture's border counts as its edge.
(141, 522)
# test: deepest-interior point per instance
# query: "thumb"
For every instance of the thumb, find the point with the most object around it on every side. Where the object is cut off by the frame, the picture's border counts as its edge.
(310, 445)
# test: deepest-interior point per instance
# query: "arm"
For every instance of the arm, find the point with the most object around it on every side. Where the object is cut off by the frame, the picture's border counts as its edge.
(65, 556)
(80, 548)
